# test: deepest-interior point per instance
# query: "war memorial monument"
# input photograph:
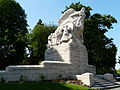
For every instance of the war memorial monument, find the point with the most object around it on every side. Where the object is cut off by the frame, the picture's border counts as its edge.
(66, 54)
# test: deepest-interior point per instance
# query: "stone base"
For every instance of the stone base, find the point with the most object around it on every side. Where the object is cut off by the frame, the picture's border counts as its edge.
(67, 53)
(77, 56)
(51, 70)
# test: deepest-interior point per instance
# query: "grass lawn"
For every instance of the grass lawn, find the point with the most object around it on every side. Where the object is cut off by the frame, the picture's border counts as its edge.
(40, 86)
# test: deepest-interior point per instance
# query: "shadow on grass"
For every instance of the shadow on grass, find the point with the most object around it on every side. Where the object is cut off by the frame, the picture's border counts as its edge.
(40, 86)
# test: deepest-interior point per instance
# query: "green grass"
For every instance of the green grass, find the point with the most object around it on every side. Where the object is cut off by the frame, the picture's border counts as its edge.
(40, 86)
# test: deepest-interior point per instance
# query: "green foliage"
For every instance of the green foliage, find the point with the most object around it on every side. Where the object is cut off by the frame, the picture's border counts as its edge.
(118, 71)
(23, 78)
(101, 49)
(38, 41)
(77, 7)
(12, 33)
(42, 77)
(2, 80)
(119, 59)
(60, 76)
(40, 86)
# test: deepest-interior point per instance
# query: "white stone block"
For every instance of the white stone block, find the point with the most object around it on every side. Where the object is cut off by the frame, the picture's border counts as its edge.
(86, 78)
(109, 77)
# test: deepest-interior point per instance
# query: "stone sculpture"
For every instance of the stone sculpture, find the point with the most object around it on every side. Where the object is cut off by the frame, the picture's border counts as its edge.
(66, 43)
(70, 28)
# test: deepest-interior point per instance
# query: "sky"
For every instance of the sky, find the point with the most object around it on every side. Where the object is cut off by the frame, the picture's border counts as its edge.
(50, 12)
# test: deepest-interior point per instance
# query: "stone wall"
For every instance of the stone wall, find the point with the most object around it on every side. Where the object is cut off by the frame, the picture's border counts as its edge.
(50, 69)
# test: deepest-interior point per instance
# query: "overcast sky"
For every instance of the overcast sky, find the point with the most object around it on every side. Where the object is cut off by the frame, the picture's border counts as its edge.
(50, 11)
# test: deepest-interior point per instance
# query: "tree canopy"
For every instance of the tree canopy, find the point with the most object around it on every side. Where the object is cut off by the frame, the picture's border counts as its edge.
(118, 71)
(12, 33)
(119, 59)
(38, 39)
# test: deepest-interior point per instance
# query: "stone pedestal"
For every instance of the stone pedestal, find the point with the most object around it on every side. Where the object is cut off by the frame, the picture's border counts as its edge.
(77, 56)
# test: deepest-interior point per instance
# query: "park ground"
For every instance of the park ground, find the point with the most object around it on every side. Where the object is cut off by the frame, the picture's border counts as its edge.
(40, 86)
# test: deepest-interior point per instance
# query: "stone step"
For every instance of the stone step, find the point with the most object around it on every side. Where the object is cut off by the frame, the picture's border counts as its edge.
(105, 85)
(104, 88)
(101, 83)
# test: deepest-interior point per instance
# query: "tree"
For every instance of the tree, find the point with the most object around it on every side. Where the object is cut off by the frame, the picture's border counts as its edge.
(38, 40)
(101, 49)
(118, 71)
(119, 59)
(12, 33)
